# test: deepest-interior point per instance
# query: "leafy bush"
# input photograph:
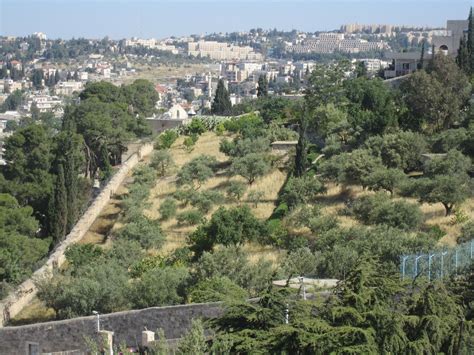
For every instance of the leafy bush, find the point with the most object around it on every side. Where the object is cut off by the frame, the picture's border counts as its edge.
(216, 288)
(143, 230)
(79, 255)
(160, 287)
(380, 209)
(228, 227)
(191, 217)
(168, 209)
(233, 263)
(301, 190)
(166, 139)
(190, 142)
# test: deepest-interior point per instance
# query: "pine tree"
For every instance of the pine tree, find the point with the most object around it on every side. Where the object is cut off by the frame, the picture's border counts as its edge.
(221, 104)
(301, 159)
(262, 89)
(58, 207)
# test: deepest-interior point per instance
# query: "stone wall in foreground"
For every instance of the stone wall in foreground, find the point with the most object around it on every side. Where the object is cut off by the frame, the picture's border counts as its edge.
(25, 292)
(127, 327)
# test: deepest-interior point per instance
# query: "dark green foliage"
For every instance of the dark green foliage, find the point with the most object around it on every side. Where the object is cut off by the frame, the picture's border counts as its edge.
(79, 255)
(20, 251)
(101, 288)
(27, 175)
(12, 102)
(262, 89)
(143, 230)
(221, 104)
(301, 190)
(371, 312)
(380, 209)
(385, 179)
(372, 107)
(435, 100)
(58, 208)
(168, 209)
(160, 287)
(301, 158)
(351, 168)
(242, 147)
(228, 227)
(250, 166)
(216, 288)
(233, 263)
(401, 150)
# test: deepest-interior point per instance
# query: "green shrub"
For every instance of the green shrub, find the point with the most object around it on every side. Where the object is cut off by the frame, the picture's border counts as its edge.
(143, 230)
(280, 211)
(380, 209)
(168, 209)
(191, 217)
(166, 139)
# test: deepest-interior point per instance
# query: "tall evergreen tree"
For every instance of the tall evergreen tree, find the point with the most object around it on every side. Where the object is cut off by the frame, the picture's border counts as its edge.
(262, 89)
(462, 59)
(58, 207)
(301, 159)
(57, 78)
(470, 41)
(422, 56)
(221, 104)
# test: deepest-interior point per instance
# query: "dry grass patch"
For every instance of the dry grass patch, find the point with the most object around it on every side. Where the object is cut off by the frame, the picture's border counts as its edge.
(36, 311)
(208, 144)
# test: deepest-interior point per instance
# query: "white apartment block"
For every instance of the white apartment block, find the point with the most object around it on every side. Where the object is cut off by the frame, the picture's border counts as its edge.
(67, 88)
(336, 42)
(221, 51)
(151, 43)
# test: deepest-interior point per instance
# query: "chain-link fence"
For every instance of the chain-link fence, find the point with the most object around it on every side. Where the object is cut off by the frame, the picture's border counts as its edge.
(437, 264)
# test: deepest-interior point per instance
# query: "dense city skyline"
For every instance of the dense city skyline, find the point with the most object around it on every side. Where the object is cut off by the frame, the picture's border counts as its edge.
(162, 18)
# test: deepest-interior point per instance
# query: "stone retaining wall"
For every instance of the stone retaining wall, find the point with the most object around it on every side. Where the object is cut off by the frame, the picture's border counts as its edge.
(127, 327)
(24, 293)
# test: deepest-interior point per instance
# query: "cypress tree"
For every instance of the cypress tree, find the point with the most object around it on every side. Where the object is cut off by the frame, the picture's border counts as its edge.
(262, 89)
(57, 78)
(470, 41)
(301, 159)
(58, 207)
(462, 59)
(221, 104)
(71, 181)
(422, 56)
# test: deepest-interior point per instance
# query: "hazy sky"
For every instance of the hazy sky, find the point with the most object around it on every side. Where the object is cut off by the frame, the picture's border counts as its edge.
(162, 18)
